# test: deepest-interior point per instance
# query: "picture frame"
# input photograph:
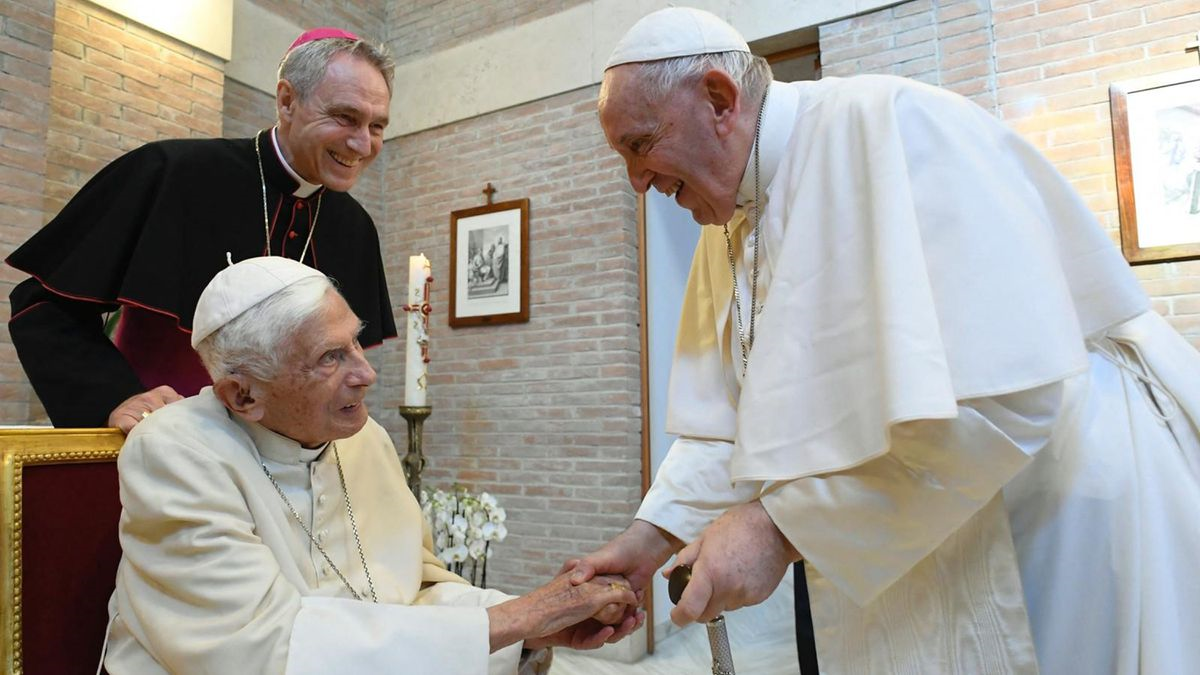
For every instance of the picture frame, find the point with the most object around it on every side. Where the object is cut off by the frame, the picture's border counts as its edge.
(489, 264)
(1156, 151)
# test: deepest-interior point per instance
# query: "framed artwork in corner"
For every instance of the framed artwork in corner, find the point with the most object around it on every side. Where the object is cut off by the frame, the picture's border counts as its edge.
(1156, 147)
(489, 264)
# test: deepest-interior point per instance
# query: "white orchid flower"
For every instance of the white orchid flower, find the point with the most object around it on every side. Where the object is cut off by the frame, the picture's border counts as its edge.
(477, 549)
(457, 554)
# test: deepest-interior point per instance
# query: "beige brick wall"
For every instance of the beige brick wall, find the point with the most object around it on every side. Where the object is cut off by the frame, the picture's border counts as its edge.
(246, 110)
(418, 27)
(26, 35)
(366, 18)
(544, 414)
(1044, 67)
(115, 86)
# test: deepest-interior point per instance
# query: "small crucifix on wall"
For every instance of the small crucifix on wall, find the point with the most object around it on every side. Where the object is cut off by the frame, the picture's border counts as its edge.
(1195, 46)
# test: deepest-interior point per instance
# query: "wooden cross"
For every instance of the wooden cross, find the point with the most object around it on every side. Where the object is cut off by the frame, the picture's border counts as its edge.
(1195, 46)
(489, 191)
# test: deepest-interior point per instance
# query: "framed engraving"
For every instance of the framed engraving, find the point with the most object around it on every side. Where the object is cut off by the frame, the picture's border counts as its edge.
(489, 264)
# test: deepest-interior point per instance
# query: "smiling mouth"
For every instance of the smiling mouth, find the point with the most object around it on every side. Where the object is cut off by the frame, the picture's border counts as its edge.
(673, 188)
(348, 163)
(352, 406)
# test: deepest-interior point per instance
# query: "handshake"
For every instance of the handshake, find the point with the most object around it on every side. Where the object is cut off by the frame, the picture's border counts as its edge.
(561, 613)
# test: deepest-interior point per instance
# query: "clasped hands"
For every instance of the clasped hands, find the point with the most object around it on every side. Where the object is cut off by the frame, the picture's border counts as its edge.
(582, 615)
(738, 560)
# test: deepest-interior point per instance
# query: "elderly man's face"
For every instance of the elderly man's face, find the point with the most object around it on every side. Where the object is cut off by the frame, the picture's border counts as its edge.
(331, 137)
(318, 396)
(673, 145)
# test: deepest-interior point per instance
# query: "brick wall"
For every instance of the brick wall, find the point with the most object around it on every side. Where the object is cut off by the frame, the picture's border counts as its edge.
(362, 17)
(418, 27)
(246, 110)
(26, 36)
(947, 44)
(1044, 67)
(116, 85)
(544, 414)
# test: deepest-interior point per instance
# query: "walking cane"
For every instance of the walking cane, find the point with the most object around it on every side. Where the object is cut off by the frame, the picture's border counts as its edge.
(718, 639)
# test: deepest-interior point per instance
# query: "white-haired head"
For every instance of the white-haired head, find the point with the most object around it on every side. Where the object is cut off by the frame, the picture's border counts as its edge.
(249, 312)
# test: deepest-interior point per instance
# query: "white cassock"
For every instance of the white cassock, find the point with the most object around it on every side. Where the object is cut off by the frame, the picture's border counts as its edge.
(217, 576)
(958, 408)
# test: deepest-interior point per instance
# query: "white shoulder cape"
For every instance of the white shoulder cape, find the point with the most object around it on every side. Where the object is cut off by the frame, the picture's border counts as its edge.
(929, 255)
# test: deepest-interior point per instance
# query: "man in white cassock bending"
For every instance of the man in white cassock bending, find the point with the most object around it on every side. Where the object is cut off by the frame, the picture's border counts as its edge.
(267, 526)
(912, 360)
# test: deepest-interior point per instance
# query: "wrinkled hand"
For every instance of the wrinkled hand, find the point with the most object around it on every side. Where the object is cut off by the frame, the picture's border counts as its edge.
(613, 623)
(634, 554)
(562, 612)
(737, 561)
(135, 408)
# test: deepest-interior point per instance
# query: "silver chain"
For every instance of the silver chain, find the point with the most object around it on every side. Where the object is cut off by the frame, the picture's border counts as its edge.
(747, 340)
(267, 220)
(353, 528)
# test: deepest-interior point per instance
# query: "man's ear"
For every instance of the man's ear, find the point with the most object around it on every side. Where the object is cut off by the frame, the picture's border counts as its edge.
(285, 100)
(241, 395)
(723, 95)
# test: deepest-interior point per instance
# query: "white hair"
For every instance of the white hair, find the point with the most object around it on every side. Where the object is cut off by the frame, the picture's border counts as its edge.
(661, 78)
(255, 342)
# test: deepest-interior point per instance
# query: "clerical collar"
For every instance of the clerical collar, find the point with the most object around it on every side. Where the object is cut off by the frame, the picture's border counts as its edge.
(277, 447)
(306, 188)
(779, 119)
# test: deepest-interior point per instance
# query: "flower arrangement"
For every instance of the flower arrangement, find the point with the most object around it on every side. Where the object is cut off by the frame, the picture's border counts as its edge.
(464, 527)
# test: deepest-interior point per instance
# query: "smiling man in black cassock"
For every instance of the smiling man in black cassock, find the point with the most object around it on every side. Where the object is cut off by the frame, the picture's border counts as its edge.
(149, 231)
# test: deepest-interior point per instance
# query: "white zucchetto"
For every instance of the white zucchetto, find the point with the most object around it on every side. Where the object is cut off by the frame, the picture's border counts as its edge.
(241, 286)
(673, 32)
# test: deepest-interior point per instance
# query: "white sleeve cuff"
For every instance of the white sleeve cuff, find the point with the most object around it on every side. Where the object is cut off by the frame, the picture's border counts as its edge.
(693, 487)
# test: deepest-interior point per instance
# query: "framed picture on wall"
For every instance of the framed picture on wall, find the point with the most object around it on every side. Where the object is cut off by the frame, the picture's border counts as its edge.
(489, 264)
(1156, 146)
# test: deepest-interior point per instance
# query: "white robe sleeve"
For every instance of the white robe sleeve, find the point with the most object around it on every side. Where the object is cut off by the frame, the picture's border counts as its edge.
(866, 527)
(202, 593)
(693, 487)
(445, 631)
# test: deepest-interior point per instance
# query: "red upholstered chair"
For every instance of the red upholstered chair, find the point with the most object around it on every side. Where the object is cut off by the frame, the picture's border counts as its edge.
(58, 547)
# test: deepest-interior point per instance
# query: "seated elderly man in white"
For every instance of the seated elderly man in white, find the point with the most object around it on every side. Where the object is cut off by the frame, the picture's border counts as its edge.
(267, 525)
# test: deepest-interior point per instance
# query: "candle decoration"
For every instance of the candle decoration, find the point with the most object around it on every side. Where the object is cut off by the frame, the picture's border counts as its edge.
(416, 351)
(416, 376)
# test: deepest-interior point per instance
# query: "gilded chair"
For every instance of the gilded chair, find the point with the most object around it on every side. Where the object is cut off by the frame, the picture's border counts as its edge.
(58, 546)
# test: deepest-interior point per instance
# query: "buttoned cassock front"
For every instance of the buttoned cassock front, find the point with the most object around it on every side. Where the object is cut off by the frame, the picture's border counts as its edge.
(217, 575)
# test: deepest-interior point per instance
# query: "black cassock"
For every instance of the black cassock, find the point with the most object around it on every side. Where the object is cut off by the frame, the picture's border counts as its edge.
(146, 234)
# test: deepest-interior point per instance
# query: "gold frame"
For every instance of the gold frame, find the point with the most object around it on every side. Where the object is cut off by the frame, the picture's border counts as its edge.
(18, 448)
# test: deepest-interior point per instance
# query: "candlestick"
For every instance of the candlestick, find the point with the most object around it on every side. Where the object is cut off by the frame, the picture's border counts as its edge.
(416, 351)
(414, 460)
